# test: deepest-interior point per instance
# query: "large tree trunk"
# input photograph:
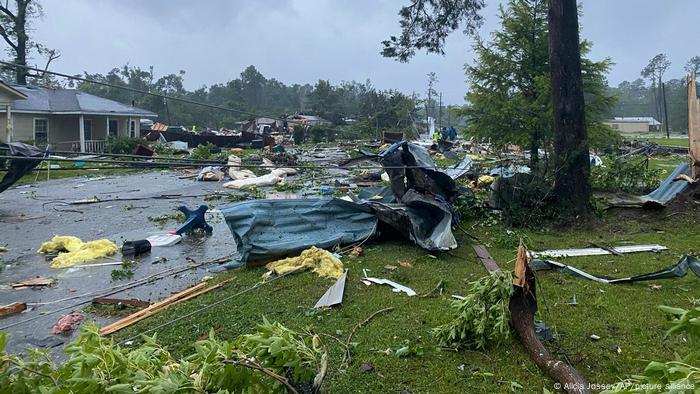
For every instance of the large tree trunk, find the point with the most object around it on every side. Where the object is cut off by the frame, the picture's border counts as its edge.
(21, 31)
(571, 157)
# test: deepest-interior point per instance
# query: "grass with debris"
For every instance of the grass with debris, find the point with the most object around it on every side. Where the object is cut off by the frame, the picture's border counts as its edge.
(398, 344)
(662, 141)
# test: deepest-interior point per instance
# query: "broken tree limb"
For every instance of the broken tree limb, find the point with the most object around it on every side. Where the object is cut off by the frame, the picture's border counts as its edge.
(184, 295)
(523, 305)
(347, 357)
(255, 366)
(436, 288)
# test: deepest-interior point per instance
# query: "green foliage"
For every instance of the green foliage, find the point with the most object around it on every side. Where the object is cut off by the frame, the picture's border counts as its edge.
(525, 199)
(509, 86)
(252, 92)
(162, 149)
(676, 376)
(125, 272)
(482, 318)
(630, 175)
(425, 24)
(96, 365)
(299, 135)
(123, 144)
(317, 133)
(207, 151)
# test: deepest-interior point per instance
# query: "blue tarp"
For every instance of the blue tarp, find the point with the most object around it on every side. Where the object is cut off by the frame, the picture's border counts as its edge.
(265, 229)
(416, 206)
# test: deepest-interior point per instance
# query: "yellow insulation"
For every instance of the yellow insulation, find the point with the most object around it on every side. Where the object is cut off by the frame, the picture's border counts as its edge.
(72, 250)
(320, 261)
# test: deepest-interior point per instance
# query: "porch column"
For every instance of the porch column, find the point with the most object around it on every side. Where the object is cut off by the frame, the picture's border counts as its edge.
(107, 130)
(128, 128)
(8, 130)
(82, 134)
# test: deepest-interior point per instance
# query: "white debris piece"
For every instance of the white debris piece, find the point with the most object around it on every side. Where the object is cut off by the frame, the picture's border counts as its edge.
(397, 288)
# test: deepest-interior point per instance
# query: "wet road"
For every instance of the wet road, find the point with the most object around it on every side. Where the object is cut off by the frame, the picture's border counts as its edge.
(31, 215)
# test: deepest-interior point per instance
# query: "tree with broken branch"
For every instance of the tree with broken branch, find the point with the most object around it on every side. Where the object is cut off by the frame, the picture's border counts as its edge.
(425, 24)
(15, 21)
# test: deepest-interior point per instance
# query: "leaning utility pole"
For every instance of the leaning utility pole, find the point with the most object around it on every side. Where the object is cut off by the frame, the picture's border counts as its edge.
(571, 156)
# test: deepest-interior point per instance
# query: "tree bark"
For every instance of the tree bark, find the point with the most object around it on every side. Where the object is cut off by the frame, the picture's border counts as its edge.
(523, 306)
(571, 155)
(21, 32)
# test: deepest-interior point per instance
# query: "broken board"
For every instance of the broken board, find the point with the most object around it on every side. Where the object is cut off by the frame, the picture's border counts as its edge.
(486, 259)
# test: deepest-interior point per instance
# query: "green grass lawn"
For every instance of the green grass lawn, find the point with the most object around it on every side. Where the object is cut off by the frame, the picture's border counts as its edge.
(624, 316)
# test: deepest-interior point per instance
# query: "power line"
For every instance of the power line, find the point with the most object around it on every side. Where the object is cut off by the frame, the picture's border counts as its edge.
(145, 92)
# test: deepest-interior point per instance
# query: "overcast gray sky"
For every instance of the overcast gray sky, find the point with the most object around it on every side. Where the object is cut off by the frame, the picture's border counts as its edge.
(300, 41)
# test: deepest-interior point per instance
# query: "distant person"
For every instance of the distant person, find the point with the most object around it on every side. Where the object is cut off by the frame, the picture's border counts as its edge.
(443, 133)
(452, 133)
(436, 136)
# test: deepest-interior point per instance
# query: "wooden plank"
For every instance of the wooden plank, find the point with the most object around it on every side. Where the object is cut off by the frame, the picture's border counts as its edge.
(184, 295)
(486, 259)
(38, 281)
(12, 309)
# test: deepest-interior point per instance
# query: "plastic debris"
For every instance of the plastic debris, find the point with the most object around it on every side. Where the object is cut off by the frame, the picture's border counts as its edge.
(397, 288)
(67, 323)
(72, 250)
(318, 260)
(334, 294)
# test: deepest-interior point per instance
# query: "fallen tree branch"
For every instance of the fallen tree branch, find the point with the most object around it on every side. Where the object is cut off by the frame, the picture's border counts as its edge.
(347, 357)
(439, 286)
(260, 368)
(523, 305)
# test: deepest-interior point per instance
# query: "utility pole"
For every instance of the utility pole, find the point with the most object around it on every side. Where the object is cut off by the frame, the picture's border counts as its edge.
(427, 117)
(663, 92)
(440, 112)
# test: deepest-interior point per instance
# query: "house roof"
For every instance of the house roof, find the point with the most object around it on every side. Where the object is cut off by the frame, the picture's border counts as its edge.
(71, 101)
(12, 92)
(637, 119)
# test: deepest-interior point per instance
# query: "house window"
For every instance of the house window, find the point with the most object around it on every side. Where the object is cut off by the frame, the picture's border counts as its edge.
(41, 131)
(113, 127)
(87, 127)
(132, 128)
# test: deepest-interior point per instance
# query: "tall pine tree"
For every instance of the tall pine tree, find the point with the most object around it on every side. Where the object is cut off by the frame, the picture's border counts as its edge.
(509, 84)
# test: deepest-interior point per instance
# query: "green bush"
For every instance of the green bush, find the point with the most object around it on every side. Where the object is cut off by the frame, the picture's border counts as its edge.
(206, 151)
(298, 135)
(317, 133)
(162, 149)
(629, 175)
(96, 365)
(124, 145)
